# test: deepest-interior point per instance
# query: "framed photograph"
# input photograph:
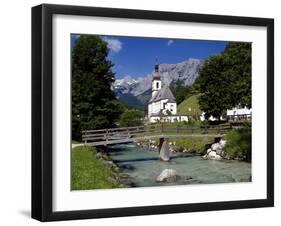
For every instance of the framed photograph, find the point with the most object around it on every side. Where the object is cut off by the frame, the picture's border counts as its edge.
(145, 112)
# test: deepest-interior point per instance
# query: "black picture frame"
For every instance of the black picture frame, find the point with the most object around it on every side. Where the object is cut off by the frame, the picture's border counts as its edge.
(42, 111)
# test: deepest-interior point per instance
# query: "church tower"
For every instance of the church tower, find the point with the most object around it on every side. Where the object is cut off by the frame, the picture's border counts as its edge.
(156, 81)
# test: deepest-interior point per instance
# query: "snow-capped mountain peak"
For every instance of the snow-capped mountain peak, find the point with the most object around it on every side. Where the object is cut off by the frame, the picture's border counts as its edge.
(186, 71)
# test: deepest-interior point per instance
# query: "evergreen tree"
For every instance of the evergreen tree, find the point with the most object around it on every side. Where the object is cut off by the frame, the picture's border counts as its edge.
(93, 102)
(182, 92)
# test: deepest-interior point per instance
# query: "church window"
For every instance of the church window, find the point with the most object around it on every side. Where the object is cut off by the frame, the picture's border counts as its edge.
(157, 85)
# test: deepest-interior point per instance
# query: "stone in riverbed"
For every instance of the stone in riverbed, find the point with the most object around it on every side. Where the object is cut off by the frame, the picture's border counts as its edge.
(167, 175)
(216, 147)
(212, 155)
(222, 143)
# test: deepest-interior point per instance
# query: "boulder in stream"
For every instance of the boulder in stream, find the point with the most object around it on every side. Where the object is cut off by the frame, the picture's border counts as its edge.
(167, 175)
(212, 155)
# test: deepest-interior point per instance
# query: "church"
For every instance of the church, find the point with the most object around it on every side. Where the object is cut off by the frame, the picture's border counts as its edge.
(162, 107)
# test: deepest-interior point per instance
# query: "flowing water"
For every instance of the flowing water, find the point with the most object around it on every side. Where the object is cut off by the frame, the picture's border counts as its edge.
(140, 168)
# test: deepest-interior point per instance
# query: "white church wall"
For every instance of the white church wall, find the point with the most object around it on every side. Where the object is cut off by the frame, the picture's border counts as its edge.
(172, 107)
(170, 118)
(163, 103)
(156, 86)
(156, 107)
(149, 109)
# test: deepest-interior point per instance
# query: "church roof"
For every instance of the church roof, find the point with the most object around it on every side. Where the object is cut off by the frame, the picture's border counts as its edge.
(163, 94)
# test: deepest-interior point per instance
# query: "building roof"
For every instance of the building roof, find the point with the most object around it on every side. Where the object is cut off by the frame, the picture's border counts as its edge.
(163, 94)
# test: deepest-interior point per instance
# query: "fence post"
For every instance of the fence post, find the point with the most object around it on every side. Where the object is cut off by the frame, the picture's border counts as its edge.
(85, 141)
(106, 135)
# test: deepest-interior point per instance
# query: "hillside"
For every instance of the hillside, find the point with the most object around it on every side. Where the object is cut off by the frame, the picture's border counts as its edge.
(131, 101)
(144, 97)
(190, 106)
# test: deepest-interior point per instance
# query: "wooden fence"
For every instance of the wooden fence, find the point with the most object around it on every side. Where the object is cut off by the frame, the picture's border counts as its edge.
(137, 131)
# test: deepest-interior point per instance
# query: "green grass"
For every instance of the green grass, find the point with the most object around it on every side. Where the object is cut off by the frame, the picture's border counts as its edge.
(190, 106)
(193, 144)
(75, 142)
(88, 172)
(190, 144)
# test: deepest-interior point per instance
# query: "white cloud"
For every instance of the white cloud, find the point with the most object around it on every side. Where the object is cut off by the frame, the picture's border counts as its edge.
(113, 44)
(170, 42)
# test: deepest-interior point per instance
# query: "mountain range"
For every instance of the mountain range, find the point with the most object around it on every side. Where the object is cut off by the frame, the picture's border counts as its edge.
(137, 92)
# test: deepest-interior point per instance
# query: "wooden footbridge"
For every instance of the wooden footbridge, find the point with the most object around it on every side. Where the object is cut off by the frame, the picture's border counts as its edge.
(103, 137)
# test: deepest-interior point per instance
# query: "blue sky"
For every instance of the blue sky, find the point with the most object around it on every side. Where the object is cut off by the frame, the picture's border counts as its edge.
(136, 56)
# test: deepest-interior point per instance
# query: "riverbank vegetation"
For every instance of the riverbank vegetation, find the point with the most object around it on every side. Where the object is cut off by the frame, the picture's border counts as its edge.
(239, 143)
(88, 172)
(131, 117)
(192, 145)
(188, 144)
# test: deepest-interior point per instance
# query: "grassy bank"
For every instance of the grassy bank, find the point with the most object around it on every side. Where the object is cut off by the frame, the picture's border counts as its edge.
(76, 142)
(193, 145)
(87, 172)
(186, 144)
(190, 106)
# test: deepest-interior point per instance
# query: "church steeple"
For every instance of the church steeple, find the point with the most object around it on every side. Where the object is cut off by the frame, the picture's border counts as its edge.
(156, 81)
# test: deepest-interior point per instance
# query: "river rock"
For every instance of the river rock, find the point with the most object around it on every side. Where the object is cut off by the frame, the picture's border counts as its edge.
(165, 151)
(222, 143)
(212, 155)
(99, 155)
(167, 175)
(216, 146)
(185, 150)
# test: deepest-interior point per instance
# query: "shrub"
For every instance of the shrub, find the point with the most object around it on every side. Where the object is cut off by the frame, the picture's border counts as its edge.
(131, 117)
(239, 143)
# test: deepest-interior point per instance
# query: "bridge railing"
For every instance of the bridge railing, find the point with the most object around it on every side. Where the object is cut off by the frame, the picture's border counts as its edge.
(136, 131)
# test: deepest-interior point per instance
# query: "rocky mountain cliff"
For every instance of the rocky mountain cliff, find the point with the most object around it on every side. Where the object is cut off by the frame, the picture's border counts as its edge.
(186, 71)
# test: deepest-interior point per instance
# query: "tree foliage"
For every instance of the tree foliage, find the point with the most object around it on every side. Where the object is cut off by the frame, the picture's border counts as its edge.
(225, 80)
(182, 92)
(131, 117)
(93, 102)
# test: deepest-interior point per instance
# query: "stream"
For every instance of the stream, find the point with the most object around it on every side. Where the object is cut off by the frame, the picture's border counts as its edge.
(140, 167)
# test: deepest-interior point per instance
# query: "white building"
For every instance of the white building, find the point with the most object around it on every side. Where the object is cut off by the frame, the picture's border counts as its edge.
(162, 105)
(234, 114)
(238, 114)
